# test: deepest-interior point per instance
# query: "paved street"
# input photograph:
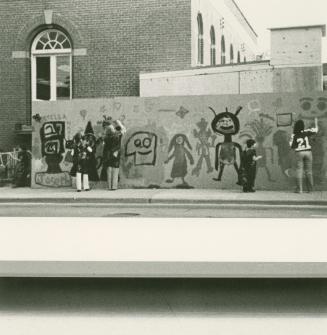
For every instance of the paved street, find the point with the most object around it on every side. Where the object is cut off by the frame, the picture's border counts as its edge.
(194, 210)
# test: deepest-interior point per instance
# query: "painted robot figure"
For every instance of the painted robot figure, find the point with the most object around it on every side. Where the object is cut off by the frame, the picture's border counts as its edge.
(227, 124)
(180, 156)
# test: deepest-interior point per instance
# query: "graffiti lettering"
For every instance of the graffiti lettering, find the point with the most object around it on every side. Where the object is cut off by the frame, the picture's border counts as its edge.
(54, 117)
(62, 179)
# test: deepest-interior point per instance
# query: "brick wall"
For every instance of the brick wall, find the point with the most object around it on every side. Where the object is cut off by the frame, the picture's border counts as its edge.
(121, 37)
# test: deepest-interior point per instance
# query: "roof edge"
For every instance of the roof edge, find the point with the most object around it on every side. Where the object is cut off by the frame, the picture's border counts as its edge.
(322, 26)
(246, 20)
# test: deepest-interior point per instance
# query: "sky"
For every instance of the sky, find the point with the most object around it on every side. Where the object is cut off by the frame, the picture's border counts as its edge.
(263, 14)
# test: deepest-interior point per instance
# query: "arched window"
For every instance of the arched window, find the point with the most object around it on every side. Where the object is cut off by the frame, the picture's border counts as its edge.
(238, 57)
(51, 66)
(231, 53)
(200, 39)
(223, 50)
(212, 46)
(244, 59)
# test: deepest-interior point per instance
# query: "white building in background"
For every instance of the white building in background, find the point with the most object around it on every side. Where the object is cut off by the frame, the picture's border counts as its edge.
(295, 65)
(221, 34)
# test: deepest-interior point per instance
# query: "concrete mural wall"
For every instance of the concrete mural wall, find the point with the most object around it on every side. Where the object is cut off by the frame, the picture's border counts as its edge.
(257, 78)
(180, 142)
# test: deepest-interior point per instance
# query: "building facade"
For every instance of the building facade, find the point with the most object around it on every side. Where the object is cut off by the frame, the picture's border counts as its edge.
(295, 65)
(57, 50)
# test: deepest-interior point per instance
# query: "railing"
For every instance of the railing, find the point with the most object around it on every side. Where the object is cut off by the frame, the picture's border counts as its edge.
(8, 162)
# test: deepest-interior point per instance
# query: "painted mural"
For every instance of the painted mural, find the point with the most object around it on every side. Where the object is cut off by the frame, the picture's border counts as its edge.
(227, 124)
(180, 142)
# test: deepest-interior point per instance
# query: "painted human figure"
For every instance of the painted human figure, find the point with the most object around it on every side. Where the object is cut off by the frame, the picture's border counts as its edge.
(285, 154)
(203, 146)
(227, 124)
(180, 155)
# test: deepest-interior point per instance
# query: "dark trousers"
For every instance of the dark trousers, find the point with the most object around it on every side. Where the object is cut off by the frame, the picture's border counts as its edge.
(249, 178)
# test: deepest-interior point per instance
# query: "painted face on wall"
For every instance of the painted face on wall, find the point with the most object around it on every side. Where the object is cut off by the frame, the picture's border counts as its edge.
(179, 140)
(312, 108)
(225, 123)
(143, 146)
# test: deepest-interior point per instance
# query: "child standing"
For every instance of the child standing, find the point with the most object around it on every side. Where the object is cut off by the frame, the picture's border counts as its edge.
(112, 148)
(81, 153)
(249, 165)
(23, 167)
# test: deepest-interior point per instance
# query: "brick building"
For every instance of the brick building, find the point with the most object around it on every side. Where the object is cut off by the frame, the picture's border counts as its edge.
(59, 49)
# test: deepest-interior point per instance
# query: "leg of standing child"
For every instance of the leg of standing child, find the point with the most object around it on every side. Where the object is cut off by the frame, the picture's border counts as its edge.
(246, 180)
(299, 171)
(78, 181)
(251, 178)
(307, 164)
(114, 184)
(109, 177)
(86, 185)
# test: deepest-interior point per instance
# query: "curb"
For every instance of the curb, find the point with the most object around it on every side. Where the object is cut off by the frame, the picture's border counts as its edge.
(154, 201)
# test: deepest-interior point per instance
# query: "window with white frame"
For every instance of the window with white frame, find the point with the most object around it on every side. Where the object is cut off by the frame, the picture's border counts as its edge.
(200, 39)
(51, 57)
(212, 46)
(231, 53)
(223, 50)
(238, 57)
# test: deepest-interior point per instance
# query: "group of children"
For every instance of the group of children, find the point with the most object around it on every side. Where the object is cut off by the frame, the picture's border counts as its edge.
(82, 151)
(112, 146)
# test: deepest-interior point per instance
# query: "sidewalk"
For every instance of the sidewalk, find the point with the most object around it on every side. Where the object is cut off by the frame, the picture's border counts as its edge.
(161, 196)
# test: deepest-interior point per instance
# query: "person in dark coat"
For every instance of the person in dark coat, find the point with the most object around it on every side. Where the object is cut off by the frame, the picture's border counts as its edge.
(249, 166)
(112, 152)
(23, 168)
(90, 137)
(81, 156)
